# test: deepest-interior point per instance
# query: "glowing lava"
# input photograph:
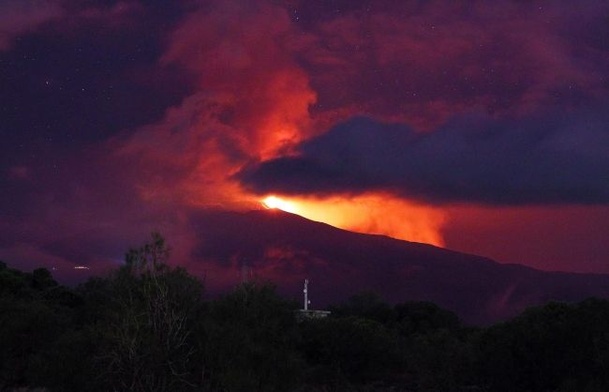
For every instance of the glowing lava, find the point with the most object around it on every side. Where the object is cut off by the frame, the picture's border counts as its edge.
(274, 202)
(374, 214)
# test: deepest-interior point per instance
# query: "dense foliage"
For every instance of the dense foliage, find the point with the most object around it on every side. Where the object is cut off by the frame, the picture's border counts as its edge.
(148, 327)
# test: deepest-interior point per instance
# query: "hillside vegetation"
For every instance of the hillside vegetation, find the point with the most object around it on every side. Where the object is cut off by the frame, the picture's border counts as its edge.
(149, 327)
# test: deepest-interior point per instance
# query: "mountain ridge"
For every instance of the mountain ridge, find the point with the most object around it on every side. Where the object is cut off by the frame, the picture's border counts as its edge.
(286, 248)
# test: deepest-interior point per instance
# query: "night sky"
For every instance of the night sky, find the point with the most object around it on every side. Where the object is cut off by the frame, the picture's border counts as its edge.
(478, 126)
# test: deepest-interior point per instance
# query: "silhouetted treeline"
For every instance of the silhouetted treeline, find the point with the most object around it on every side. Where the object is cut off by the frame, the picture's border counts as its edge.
(149, 327)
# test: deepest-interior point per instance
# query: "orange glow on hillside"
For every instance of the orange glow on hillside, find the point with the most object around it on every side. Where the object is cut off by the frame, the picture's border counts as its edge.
(374, 214)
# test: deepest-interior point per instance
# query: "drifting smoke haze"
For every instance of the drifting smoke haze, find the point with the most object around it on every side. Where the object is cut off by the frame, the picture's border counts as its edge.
(463, 125)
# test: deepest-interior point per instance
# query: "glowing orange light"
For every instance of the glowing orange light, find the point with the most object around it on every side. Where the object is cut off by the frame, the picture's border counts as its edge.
(374, 214)
(274, 202)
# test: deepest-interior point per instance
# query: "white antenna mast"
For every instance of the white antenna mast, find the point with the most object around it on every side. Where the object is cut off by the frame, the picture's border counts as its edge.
(305, 313)
(306, 294)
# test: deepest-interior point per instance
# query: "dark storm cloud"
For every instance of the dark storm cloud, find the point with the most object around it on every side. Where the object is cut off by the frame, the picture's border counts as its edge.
(555, 158)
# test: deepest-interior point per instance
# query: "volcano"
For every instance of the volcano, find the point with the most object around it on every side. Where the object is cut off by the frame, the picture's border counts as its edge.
(285, 249)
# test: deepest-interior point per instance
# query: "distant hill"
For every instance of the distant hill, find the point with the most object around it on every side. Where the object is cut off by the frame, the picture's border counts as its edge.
(286, 248)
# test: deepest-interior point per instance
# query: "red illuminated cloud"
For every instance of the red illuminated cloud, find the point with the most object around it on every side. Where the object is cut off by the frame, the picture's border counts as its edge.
(242, 58)
(251, 102)
(424, 62)
(267, 80)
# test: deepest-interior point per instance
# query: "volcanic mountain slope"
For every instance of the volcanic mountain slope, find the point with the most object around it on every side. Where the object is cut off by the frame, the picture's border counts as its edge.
(286, 249)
